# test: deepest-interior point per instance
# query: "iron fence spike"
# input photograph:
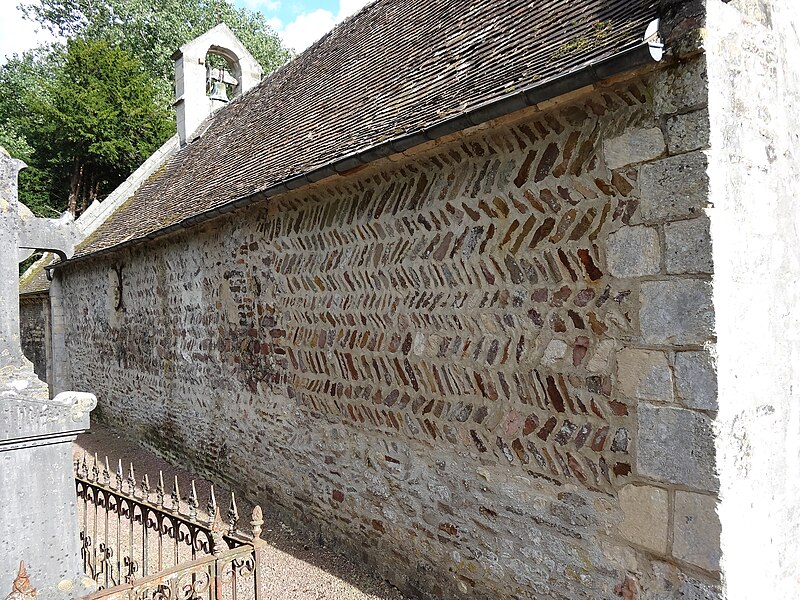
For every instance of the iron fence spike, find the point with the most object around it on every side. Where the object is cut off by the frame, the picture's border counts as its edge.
(132, 481)
(218, 533)
(145, 487)
(192, 502)
(233, 514)
(176, 497)
(106, 473)
(21, 587)
(160, 489)
(211, 507)
(118, 477)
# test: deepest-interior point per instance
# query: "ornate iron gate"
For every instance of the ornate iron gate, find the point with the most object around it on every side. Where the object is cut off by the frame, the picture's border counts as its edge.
(138, 543)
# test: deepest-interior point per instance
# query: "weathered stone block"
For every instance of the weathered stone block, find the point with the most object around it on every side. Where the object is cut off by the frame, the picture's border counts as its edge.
(633, 147)
(688, 246)
(676, 312)
(674, 187)
(671, 582)
(644, 374)
(633, 252)
(602, 354)
(696, 380)
(645, 520)
(688, 132)
(679, 90)
(696, 530)
(676, 445)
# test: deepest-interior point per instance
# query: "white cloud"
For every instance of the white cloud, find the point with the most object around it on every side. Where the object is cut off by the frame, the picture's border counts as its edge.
(18, 34)
(309, 27)
(263, 6)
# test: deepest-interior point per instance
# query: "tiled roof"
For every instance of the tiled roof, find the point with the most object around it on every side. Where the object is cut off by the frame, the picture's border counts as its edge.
(34, 280)
(395, 68)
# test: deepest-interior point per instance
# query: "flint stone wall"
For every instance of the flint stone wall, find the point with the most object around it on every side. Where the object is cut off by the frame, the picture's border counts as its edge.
(483, 368)
(33, 323)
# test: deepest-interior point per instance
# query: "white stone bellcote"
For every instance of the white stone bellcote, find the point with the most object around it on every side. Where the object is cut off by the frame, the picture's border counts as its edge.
(192, 104)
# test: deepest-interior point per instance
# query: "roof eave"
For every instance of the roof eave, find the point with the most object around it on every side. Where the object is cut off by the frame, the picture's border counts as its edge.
(588, 74)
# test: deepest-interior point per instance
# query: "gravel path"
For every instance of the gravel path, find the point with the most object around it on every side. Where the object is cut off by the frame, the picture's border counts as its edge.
(297, 567)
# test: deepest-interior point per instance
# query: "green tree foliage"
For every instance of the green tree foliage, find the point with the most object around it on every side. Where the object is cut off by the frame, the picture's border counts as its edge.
(23, 80)
(97, 120)
(83, 117)
(84, 114)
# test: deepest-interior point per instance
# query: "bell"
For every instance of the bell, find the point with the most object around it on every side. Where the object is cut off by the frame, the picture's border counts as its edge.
(219, 91)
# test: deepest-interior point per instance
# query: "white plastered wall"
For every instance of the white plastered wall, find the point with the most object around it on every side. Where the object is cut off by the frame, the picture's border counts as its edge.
(754, 103)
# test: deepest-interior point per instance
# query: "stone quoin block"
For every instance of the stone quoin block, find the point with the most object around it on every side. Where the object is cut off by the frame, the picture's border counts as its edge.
(644, 374)
(672, 583)
(696, 530)
(633, 252)
(696, 380)
(674, 187)
(680, 90)
(676, 445)
(688, 132)
(634, 146)
(688, 246)
(645, 520)
(676, 312)
(601, 356)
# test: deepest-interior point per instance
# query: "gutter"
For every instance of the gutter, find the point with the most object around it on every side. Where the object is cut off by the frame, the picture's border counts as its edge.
(647, 52)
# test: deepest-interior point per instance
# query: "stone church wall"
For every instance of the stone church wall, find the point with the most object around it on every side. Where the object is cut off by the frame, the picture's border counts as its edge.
(33, 322)
(483, 368)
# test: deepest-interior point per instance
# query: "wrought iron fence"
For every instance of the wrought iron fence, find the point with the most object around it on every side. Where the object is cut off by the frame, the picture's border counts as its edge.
(138, 543)
(231, 575)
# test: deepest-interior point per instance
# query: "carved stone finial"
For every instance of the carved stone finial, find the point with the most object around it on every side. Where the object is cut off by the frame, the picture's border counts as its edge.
(22, 589)
(256, 523)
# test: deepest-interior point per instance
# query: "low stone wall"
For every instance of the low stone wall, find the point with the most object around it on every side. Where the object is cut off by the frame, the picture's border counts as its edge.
(483, 367)
(33, 332)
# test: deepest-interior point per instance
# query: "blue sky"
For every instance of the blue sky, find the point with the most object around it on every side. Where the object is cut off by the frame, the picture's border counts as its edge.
(301, 22)
(298, 22)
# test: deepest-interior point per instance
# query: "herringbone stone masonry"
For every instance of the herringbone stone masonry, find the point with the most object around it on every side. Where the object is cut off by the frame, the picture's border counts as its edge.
(482, 366)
